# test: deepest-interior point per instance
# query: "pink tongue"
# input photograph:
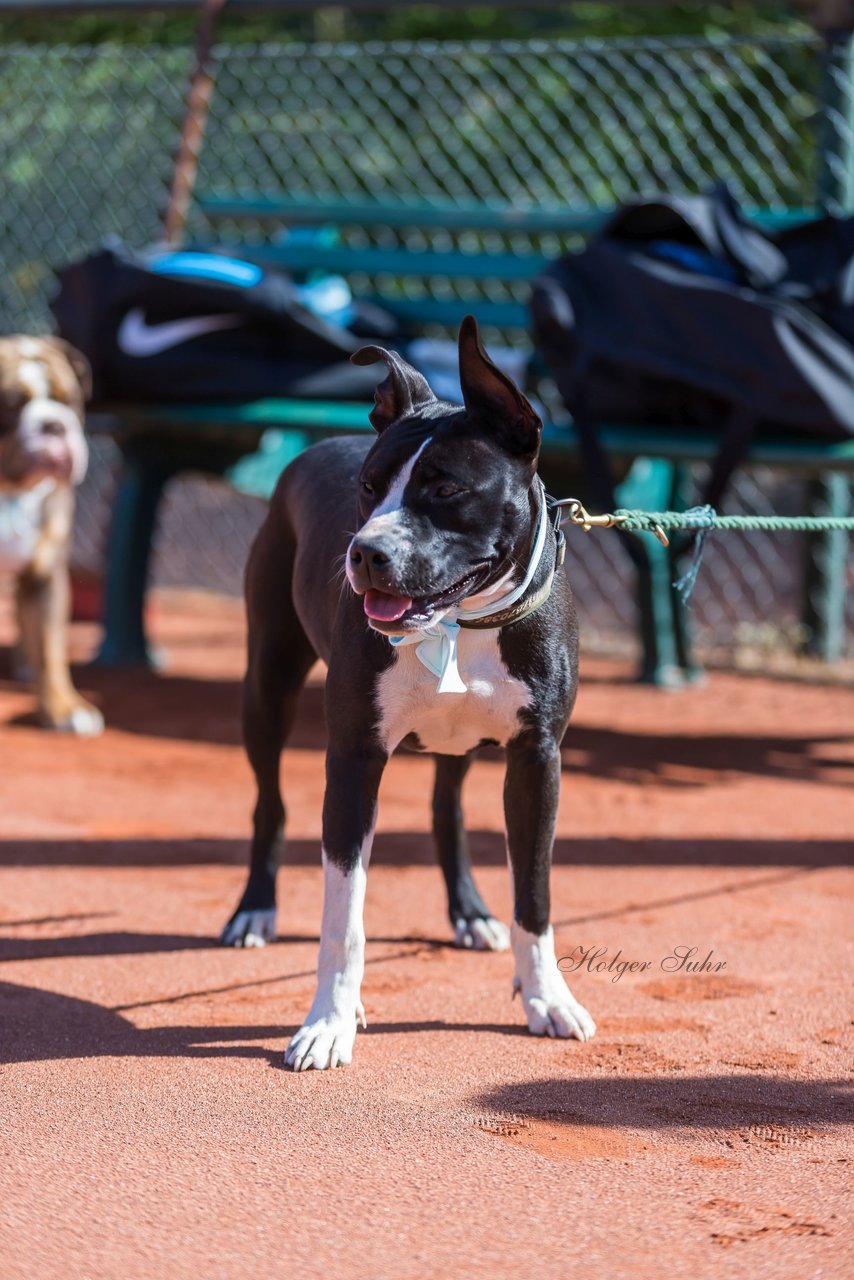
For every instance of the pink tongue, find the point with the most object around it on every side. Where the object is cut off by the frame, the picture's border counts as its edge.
(386, 608)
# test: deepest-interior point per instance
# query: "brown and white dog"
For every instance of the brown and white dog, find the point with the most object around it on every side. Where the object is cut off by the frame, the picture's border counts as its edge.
(44, 384)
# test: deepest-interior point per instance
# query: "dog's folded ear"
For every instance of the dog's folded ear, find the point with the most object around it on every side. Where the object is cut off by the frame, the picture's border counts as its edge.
(492, 397)
(79, 363)
(404, 392)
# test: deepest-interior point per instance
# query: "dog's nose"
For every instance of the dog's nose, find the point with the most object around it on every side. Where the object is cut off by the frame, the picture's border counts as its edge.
(370, 563)
(368, 555)
(53, 427)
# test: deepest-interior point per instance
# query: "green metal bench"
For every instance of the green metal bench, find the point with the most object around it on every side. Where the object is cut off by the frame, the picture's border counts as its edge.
(249, 444)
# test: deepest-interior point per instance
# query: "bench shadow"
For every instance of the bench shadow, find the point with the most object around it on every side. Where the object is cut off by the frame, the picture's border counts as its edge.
(130, 943)
(681, 762)
(405, 848)
(208, 710)
(118, 943)
(155, 704)
(672, 1101)
(158, 705)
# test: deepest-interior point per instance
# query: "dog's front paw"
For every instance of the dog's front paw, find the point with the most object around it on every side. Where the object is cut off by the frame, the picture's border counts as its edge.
(483, 933)
(325, 1040)
(250, 928)
(550, 1007)
(555, 1012)
(78, 717)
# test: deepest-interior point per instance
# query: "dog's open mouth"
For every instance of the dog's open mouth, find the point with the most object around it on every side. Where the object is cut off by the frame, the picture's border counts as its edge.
(386, 610)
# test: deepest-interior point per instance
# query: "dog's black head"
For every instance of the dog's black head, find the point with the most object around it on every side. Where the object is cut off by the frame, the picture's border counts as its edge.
(446, 493)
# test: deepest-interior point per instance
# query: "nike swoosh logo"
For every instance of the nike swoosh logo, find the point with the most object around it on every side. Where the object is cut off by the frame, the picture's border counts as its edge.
(136, 338)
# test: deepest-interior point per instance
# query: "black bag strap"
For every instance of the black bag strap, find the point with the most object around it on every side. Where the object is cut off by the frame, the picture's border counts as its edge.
(736, 439)
(737, 436)
(599, 474)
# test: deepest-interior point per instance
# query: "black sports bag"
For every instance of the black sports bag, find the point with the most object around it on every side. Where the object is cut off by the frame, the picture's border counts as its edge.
(198, 326)
(682, 311)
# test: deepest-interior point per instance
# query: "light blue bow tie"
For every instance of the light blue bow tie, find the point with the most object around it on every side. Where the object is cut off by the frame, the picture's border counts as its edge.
(437, 642)
(437, 650)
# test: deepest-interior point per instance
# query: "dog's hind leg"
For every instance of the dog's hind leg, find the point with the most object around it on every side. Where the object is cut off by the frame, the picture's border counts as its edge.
(473, 923)
(280, 658)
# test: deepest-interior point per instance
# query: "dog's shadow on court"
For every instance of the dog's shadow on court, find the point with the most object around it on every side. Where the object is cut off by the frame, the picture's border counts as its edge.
(44, 1026)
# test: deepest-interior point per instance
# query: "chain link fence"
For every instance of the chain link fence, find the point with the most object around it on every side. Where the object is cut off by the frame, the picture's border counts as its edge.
(86, 151)
(556, 122)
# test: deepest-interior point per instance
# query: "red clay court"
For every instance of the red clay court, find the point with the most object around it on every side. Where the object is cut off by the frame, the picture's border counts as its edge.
(148, 1129)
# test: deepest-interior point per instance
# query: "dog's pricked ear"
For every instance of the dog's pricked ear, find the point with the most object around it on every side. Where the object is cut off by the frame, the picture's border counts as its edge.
(490, 395)
(403, 392)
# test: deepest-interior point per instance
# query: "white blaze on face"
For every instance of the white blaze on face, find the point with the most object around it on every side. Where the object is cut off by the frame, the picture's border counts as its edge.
(385, 518)
(31, 431)
(32, 374)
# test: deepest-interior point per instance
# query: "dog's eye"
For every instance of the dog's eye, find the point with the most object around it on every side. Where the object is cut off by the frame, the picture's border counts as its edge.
(367, 489)
(448, 490)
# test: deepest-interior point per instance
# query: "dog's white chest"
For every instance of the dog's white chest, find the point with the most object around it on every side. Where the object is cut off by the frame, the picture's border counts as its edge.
(21, 517)
(452, 723)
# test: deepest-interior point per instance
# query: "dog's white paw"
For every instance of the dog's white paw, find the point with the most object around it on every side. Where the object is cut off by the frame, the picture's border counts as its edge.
(481, 934)
(550, 1007)
(84, 721)
(555, 1012)
(325, 1041)
(250, 929)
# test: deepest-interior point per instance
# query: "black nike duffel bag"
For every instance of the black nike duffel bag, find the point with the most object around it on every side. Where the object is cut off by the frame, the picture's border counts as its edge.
(198, 326)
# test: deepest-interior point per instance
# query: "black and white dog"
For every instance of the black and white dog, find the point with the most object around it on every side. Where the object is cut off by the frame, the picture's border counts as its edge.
(451, 630)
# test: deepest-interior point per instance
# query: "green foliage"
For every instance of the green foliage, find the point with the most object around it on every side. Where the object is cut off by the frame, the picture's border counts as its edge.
(89, 133)
(429, 21)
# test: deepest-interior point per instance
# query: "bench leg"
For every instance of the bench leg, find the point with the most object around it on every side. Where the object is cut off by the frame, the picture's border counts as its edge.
(128, 557)
(659, 660)
(655, 485)
(690, 671)
(826, 570)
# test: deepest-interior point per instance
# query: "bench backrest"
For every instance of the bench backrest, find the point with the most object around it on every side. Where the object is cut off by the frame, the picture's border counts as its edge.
(312, 237)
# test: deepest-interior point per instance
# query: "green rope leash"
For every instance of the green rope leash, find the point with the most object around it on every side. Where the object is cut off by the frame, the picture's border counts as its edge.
(708, 518)
(696, 519)
(699, 520)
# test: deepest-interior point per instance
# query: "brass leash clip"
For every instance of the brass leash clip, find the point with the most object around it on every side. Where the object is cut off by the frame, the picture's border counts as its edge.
(577, 514)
